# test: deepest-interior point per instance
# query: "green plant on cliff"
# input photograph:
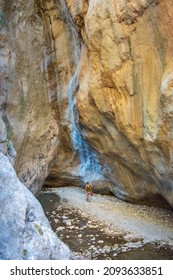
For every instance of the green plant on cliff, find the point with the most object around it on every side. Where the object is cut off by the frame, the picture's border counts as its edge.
(57, 234)
(9, 133)
(8, 127)
(25, 252)
(38, 229)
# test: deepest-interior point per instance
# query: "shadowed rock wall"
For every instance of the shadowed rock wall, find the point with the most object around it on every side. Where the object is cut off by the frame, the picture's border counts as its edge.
(25, 107)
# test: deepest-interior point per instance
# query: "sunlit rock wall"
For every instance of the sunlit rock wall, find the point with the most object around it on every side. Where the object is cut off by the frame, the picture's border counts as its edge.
(121, 55)
(125, 91)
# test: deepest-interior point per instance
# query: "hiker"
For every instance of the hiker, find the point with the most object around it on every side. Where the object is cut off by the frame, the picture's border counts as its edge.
(88, 191)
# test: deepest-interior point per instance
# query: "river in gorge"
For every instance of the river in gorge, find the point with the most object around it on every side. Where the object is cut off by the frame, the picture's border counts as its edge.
(107, 228)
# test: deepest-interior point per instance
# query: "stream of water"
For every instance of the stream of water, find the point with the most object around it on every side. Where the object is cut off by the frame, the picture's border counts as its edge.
(89, 164)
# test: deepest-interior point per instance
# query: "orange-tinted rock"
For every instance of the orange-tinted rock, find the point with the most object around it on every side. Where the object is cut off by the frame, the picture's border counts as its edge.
(120, 53)
(127, 93)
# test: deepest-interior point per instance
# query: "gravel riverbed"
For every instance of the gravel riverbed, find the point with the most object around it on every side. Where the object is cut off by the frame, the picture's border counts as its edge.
(108, 228)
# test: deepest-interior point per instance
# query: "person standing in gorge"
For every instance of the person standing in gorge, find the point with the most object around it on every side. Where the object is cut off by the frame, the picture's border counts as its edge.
(88, 191)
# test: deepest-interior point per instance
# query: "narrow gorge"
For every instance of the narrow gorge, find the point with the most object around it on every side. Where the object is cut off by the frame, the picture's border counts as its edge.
(86, 95)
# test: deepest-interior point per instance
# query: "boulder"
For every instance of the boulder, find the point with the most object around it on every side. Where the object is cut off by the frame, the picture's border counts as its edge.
(25, 231)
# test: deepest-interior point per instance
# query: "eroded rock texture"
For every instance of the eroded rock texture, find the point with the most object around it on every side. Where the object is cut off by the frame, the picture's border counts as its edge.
(24, 102)
(125, 98)
(97, 73)
(25, 231)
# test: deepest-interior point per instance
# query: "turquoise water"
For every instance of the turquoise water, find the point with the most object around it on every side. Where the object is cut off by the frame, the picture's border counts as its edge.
(89, 163)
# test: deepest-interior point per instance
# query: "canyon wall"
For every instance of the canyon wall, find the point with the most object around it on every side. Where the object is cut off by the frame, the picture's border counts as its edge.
(28, 137)
(128, 119)
(25, 231)
(25, 106)
(88, 94)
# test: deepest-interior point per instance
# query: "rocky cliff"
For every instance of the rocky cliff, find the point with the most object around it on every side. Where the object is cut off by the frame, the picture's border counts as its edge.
(86, 94)
(25, 231)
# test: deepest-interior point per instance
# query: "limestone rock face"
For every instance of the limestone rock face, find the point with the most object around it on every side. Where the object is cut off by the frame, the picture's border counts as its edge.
(24, 102)
(90, 93)
(3, 138)
(25, 231)
(124, 98)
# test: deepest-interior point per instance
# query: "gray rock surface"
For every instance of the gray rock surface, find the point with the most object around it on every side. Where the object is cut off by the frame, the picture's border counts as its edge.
(25, 231)
(3, 140)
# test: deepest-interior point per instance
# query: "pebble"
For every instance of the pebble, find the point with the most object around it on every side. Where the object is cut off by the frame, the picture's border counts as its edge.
(60, 228)
(80, 235)
(115, 246)
(64, 217)
(101, 241)
(67, 222)
(107, 249)
(71, 227)
(92, 226)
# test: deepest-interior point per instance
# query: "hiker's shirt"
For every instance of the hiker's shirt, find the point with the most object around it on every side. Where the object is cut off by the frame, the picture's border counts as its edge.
(88, 188)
